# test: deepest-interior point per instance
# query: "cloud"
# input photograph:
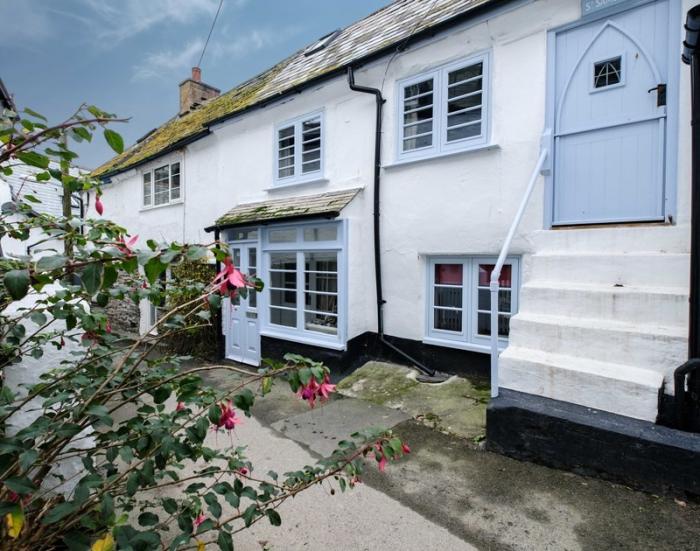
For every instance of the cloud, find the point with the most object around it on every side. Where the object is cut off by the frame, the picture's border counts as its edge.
(169, 62)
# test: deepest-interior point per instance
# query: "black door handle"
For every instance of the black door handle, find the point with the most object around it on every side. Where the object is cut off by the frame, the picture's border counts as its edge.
(660, 94)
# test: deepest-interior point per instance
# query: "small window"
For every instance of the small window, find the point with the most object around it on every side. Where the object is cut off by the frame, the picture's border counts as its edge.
(244, 235)
(162, 185)
(459, 300)
(444, 110)
(607, 73)
(299, 150)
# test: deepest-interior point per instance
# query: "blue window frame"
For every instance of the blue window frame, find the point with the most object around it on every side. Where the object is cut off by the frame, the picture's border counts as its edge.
(299, 150)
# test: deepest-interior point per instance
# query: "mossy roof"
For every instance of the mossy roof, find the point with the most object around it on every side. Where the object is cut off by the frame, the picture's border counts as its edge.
(324, 204)
(382, 29)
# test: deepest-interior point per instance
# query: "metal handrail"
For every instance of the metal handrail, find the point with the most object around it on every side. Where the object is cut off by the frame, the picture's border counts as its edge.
(496, 273)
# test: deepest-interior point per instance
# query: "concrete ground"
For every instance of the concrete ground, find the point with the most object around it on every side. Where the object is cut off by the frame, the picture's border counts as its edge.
(448, 493)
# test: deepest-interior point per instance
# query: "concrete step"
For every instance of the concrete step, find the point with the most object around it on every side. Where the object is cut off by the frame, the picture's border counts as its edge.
(644, 269)
(657, 347)
(613, 387)
(621, 239)
(664, 306)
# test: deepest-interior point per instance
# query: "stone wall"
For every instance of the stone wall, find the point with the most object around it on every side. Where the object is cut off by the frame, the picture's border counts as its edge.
(123, 314)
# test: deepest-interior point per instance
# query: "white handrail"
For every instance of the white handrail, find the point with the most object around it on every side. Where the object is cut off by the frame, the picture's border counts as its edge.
(496, 273)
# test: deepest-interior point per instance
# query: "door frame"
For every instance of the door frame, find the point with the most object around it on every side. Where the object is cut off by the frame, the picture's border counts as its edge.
(245, 245)
(672, 107)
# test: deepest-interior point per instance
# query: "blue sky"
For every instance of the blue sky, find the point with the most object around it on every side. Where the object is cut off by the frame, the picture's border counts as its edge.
(128, 56)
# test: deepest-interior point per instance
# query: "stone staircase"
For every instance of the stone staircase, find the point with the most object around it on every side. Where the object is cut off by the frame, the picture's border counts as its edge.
(602, 318)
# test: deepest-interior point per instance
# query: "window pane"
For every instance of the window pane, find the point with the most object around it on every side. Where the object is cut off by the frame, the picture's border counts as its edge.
(243, 235)
(236, 257)
(162, 185)
(463, 118)
(175, 181)
(288, 235)
(321, 282)
(147, 188)
(283, 261)
(418, 116)
(448, 274)
(252, 298)
(321, 261)
(484, 323)
(464, 88)
(418, 88)
(465, 73)
(252, 258)
(448, 296)
(448, 320)
(288, 299)
(321, 233)
(485, 275)
(321, 323)
(416, 129)
(607, 73)
(288, 318)
(311, 167)
(285, 152)
(464, 132)
(283, 280)
(504, 300)
(464, 103)
(416, 143)
(321, 302)
(420, 101)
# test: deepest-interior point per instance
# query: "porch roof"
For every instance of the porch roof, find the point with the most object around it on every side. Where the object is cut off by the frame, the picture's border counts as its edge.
(325, 205)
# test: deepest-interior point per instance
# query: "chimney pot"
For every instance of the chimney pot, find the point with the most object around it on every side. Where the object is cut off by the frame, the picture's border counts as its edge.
(196, 74)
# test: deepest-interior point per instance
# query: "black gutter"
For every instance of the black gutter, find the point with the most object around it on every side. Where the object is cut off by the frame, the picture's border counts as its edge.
(388, 50)
(433, 375)
(324, 215)
(687, 377)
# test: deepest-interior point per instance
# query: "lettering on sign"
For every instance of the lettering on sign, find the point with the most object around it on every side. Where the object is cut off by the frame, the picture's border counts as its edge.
(591, 6)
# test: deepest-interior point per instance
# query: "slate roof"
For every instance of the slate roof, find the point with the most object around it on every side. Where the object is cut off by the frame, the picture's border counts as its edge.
(377, 34)
(326, 205)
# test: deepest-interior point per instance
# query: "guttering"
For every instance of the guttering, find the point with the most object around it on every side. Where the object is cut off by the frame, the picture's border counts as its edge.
(388, 50)
(432, 375)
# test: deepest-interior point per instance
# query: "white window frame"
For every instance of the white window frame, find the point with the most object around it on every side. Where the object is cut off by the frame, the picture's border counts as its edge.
(151, 172)
(298, 177)
(440, 145)
(300, 247)
(623, 73)
(468, 338)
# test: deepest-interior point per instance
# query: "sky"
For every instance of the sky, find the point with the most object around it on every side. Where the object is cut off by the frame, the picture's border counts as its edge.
(128, 56)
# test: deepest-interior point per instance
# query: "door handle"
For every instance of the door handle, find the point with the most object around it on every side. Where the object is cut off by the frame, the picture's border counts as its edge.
(660, 94)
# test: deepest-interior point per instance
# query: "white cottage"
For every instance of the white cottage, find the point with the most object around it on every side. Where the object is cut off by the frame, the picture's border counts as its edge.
(372, 178)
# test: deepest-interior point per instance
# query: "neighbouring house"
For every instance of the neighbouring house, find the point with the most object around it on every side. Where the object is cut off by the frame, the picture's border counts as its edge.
(371, 180)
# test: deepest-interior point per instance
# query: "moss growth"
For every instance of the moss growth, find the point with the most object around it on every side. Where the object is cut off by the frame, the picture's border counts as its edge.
(457, 406)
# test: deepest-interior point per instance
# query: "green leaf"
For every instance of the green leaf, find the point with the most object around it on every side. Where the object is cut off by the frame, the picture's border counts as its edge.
(148, 519)
(110, 276)
(82, 133)
(274, 517)
(132, 483)
(91, 277)
(51, 263)
(58, 512)
(153, 268)
(34, 114)
(170, 505)
(20, 485)
(32, 158)
(249, 515)
(31, 198)
(107, 508)
(27, 459)
(213, 504)
(17, 283)
(225, 541)
(232, 499)
(114, 140)
(38, 317)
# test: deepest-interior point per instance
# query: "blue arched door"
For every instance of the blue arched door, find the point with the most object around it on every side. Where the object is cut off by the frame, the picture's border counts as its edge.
(610, 118)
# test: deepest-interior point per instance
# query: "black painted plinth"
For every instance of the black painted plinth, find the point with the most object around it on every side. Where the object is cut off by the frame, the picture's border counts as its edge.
(567, 436)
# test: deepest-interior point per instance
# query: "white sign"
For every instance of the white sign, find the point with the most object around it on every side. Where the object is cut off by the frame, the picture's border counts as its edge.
(591, 6)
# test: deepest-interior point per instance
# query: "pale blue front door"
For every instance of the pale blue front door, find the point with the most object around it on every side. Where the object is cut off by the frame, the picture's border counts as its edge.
(610, 88)
(243, 334)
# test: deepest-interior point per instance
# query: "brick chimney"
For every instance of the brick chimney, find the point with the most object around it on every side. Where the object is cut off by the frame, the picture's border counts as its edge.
(193, 92)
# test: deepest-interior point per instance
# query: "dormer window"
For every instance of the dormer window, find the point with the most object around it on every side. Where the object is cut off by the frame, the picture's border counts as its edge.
(299, 148)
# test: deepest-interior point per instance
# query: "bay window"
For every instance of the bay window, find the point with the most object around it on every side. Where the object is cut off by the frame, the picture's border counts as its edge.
(459, 300)
(305, 287)
(444, 110)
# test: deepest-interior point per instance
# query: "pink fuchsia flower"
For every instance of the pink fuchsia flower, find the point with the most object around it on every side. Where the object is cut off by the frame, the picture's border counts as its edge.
(180, 406)
(228, 419)
(199, 520)
(99, 207)
(126, 246)
(229, 278)
(308, 392)
(382, 463)
(108, 327)
(325, 388)
(405, 449)
(242, 471)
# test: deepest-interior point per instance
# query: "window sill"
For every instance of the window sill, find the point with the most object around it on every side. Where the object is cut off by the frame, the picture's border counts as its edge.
(154, 207)
(298, 183)
(426, 158)
(302, 339)
(471, 347)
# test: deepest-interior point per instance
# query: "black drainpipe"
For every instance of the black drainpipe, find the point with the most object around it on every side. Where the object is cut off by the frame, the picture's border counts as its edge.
(687, 377)
(429, 375)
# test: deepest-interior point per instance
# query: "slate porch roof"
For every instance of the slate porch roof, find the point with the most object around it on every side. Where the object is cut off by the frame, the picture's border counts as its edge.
(326, 205)
(378, 34)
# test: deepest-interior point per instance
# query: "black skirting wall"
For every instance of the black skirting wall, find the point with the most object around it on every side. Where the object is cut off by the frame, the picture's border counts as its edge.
(589, 441)
(367, 347)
